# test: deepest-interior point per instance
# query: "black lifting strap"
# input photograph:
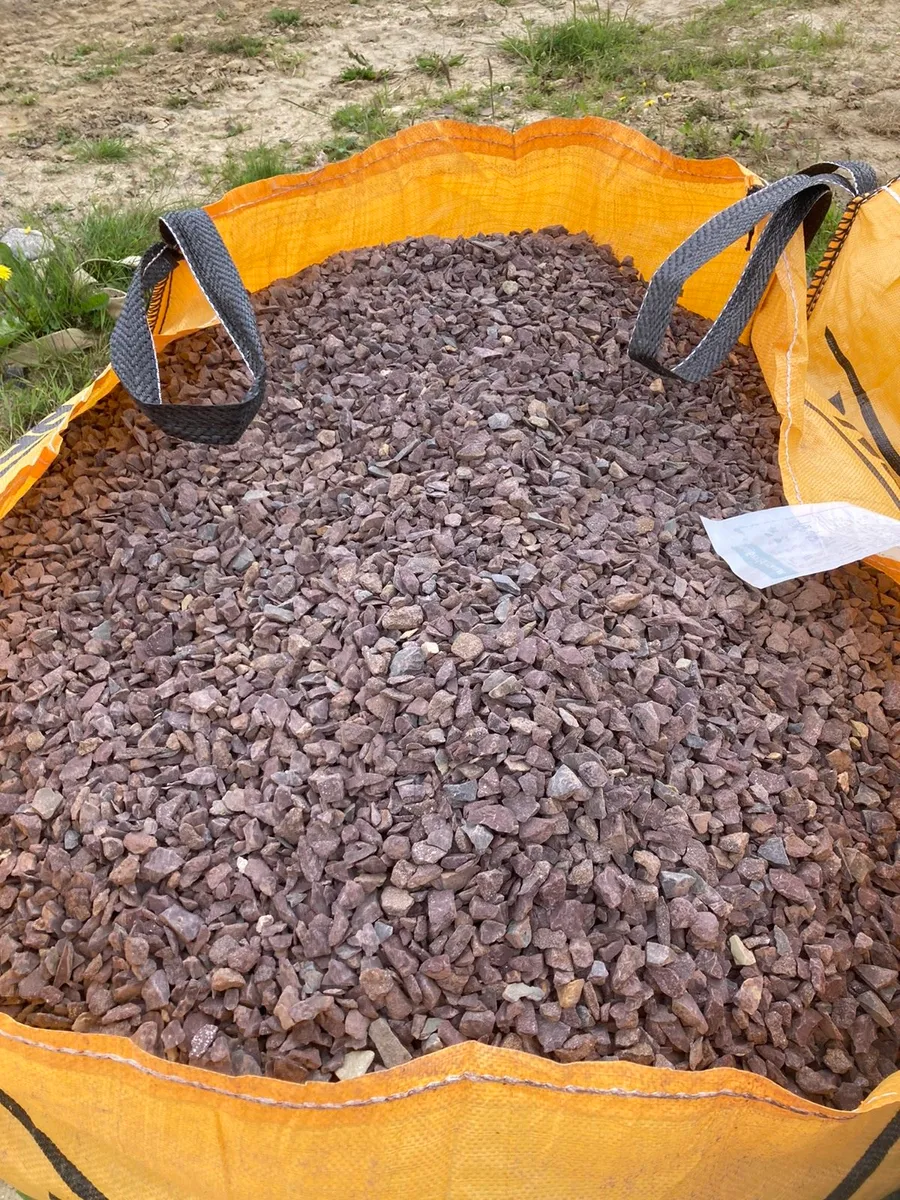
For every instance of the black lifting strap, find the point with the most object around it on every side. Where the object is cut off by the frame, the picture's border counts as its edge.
(190, 235)
(797, 200)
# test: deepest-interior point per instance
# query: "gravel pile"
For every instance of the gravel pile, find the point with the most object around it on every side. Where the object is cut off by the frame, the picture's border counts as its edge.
(427, 714)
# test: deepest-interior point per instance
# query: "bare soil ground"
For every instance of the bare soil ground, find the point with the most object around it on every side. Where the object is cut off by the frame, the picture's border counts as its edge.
(158, 77)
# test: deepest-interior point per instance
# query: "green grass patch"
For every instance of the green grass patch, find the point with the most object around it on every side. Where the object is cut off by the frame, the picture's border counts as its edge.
(111, 62)
(62, 290)
(103, 150)
(369, 74)
(238, 45)
(360, 69)
(46, 297)
(702, 64)
(24, 402)
(439, 66)
(604, 46)
(700, 139)
(286, 18)
(705, 138)
(804, 39)
(601, 53)
(109, 232)
(611, 51)
(100, 71)
(178, 42)
(257, 162)
(370, 121)
(333, 148)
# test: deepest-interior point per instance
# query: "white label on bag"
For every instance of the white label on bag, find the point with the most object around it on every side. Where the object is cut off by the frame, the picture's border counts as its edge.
(777, 544)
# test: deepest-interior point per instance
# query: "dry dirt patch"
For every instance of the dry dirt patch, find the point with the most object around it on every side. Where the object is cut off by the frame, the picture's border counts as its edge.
(178, 85)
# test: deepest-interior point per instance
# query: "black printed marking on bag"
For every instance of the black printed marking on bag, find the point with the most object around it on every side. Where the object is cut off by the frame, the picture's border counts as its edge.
(66, 1170)
(877, 430)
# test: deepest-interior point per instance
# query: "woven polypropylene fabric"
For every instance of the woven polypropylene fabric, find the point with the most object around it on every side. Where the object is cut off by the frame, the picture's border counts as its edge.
(869, 1162)
(472, 1122)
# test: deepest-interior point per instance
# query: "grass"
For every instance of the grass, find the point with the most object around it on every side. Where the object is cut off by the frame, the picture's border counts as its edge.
(103, 150)
(50, 295)
(257, 162)
(24, 403)
(602, 46)
(106, 233)
(594, 61)
(100, 71)
(700, 139)
(368, 73)
(286, 18)
(356, 126)
(439, 66)
(333, 149)
(47, 297)
(806, 40)
(361, 69)
(111, 61)
(464, 102)
(611, 50)
(83, 49)
(709, 64)
(178, 42)
(601, 51)
(704, 138)
(239, 45)
(370, 121)
(287, 58)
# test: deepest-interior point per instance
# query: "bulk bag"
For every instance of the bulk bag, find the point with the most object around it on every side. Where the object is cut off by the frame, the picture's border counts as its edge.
(94, 1117)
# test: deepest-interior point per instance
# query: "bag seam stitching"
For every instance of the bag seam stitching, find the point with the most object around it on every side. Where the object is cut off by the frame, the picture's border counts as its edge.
(433, 1085)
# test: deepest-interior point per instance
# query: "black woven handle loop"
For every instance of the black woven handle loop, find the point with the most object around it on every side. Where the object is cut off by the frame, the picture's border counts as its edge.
(190, 235)
(789, 203)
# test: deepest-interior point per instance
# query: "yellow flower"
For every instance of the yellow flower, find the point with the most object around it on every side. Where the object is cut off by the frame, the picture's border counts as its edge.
(649, 103)
(667, 95)
(5, 273)
(26, 229)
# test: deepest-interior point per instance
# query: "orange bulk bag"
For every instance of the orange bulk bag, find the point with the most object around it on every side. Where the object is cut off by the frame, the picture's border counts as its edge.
(94, 1117)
